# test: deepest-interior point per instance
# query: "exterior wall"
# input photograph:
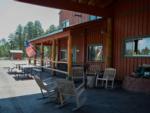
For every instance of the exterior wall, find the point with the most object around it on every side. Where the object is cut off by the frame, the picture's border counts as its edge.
(70, 15)
(84, 36)
(132, 18)
(16, 56)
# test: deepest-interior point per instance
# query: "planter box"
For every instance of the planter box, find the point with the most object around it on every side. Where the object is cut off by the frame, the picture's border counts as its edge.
(136, 84)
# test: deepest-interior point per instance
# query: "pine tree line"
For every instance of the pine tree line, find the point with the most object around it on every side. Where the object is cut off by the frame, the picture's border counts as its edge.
(16, 40)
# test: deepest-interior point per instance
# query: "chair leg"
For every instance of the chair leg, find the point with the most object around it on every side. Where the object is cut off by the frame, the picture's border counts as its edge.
(77, 104)
(102, 83)
(61, 98)
(96, 81)
(112, 85)
(106, 84)
(42, 93)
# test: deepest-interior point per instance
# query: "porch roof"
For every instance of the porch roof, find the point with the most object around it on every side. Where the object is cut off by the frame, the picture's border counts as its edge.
(64, 32)
(102, 8)
(46, 35)
(51, 36)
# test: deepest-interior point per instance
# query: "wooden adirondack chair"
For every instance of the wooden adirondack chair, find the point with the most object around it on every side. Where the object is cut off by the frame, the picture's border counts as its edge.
(109, 75)
(50, 88)
(67, 88)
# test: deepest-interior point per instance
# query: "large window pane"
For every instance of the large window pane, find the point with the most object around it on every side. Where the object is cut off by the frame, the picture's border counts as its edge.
(94, 53)
(138, 47)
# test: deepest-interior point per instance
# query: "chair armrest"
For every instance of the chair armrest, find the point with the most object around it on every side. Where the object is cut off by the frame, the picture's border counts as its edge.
(48, 79)
(80, 87)
(80, 90)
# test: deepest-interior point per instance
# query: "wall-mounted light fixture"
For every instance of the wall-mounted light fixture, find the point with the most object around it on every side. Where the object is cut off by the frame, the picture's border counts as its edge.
(77, 50)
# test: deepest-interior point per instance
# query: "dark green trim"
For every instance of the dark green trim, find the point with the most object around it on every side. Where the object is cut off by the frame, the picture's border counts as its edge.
(131, 39)
(46, 35)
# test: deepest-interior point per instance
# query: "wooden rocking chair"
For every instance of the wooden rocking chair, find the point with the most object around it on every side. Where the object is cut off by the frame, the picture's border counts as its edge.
(50, 88)
(67, 88)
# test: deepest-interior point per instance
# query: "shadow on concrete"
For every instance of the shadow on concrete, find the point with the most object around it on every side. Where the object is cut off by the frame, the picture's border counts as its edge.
(22, 77)
(98, 101)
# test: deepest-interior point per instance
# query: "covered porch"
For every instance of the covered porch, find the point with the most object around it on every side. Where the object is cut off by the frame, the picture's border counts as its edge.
(87, 45)
(23, 96)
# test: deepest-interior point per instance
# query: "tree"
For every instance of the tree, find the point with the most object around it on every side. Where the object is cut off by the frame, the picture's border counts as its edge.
(19, 37)
(30, 30)
(4, 48)
(51, 29)
(11, 40)
(38, 30)
(16, 40)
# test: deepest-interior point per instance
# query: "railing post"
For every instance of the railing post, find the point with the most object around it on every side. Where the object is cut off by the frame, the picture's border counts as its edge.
(42, 54)
(53, 55)
(35, 57)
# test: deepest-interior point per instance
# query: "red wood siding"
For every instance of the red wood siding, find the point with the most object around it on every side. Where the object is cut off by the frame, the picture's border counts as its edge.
(132, 18)
(16, 56)
(90, 34)
(70, 15)
(94, 36)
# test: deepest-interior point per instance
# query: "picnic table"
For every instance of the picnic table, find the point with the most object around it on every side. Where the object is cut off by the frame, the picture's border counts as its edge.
(27, 69)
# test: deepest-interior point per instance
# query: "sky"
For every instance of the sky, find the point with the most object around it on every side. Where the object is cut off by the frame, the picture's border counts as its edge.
(13, 13)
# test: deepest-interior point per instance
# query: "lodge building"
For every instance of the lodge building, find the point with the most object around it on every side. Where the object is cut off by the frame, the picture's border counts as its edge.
(120, 39)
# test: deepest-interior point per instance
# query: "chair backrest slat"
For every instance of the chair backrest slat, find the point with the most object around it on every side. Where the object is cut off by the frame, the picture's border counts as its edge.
(66, 87)
(77, 72)
(40, 83)
(109, 73)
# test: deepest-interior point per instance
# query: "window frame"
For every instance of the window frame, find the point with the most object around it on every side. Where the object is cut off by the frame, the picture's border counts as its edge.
(132, 39)
(64, 50)
(96, 44)
(64, 22)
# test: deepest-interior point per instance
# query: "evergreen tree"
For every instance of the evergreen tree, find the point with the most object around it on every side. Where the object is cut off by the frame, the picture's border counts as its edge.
(11, 40)
(30, 30)
(19, 37)
(38, 30)
(51, 29)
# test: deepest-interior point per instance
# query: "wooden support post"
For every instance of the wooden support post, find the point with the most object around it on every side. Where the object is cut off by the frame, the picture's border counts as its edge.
(108, 55)
(50, 54)
(53, 55)
(85, 46)
(35, 57)
(56, 52)
(70, 56)
(42, 54)
(85, 57)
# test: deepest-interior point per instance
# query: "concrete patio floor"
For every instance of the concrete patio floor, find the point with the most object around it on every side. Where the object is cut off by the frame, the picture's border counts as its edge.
(22, 96)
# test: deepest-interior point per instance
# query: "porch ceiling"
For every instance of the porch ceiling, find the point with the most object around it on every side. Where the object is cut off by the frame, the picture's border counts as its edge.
(102, 8)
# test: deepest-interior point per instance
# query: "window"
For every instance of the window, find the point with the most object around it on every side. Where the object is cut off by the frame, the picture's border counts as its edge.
(65, 23)
(95, 53)
(137, 47)
(63, 54)
(92, 17)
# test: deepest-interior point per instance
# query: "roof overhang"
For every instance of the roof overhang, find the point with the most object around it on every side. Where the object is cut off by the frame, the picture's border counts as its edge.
(103, 8)
(48, 38)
